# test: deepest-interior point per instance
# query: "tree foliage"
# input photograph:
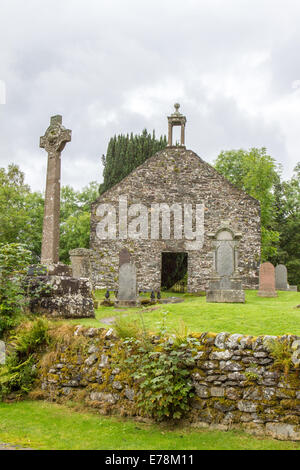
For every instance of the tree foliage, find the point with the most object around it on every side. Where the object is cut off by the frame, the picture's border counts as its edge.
(287, 222)
(14, 261)
(22, 211)
(125, 153)
(75, 218)
(256, 173)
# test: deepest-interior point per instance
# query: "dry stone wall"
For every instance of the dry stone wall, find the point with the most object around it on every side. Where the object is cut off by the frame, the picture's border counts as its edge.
(237, 381)
(176, 175)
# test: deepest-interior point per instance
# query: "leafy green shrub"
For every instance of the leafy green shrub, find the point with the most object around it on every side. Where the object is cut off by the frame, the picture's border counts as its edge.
(24, 347)
(30, 336)
(14, 261)
(162, 373)
(17, 377)
(161, 367)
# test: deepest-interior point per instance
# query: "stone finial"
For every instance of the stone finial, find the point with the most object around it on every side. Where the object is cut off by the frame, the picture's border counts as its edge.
(177, 106)
(176, 119)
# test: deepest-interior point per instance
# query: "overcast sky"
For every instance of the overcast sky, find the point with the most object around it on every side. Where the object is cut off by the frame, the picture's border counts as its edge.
(118, 66)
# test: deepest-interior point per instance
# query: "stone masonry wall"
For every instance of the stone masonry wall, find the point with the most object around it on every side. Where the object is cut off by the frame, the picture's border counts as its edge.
(176, 175)
(236, 381)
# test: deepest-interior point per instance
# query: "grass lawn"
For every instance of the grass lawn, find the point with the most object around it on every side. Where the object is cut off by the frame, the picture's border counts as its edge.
(47, 426)
(258, 316)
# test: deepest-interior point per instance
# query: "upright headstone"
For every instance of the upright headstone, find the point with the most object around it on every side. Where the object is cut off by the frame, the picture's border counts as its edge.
(81, 262)
(53, 142)
(225, 284)
(267, 280)
(281, 280)
(127, 289)
(2, 352)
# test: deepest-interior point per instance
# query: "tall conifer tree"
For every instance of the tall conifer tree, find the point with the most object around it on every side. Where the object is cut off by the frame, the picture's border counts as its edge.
(125, 153)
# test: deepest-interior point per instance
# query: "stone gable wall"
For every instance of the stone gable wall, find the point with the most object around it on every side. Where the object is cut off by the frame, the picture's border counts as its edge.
(178, 176)
(235, 379)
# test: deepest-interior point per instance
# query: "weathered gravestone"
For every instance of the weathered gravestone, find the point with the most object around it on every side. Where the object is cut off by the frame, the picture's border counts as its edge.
(80, 262)
(267, 280)
(2, 352)
(127, 289)
(59, 294)
(225, 284)
(281, 279)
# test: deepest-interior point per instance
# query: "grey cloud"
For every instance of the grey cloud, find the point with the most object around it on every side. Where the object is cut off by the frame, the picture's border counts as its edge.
(84, 59)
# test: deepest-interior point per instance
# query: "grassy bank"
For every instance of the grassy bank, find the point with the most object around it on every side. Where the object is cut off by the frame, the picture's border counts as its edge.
(41, 425)
(258, 316)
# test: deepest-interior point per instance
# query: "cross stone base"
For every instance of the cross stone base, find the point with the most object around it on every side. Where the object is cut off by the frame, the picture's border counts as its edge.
(225, 289)
(225, 296)
(61, 296)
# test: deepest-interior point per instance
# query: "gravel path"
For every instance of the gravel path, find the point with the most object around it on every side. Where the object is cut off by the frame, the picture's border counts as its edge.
(108, 320)
(11, 447)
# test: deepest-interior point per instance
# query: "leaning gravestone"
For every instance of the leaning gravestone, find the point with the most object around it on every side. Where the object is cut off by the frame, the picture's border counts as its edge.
(2, 352)
(267, 280)
(127, 290)
(225, 284)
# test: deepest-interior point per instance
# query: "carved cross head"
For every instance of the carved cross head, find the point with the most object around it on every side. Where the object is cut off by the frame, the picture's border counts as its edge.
(56, 136)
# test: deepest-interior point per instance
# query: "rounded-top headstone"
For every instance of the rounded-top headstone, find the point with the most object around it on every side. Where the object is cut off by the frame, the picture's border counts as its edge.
(267, 280)
(281, 279)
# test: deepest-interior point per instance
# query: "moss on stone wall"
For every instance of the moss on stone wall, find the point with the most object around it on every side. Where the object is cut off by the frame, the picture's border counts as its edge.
(89, 368)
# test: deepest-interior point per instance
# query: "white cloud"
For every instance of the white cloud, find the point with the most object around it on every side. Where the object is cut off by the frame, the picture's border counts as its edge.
(148, 101)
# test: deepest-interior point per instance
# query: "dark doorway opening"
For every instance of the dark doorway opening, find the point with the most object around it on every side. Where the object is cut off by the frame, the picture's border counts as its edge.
(173, 269)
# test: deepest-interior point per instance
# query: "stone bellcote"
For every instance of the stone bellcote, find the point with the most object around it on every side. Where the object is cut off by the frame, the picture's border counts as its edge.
(176, 119)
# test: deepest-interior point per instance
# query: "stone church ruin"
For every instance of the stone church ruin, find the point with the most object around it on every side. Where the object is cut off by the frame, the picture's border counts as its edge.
(169, 204)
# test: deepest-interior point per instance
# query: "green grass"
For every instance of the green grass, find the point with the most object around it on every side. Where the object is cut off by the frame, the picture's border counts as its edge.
(258, 316)
(48, 426)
